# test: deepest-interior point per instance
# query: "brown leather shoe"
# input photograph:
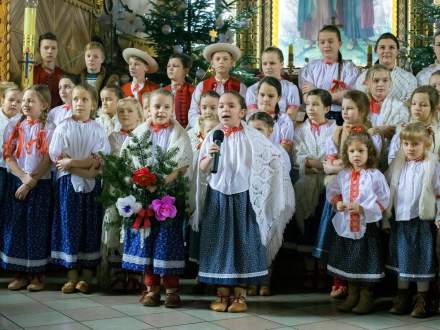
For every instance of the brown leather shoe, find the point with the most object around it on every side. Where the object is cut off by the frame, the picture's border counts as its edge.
(222, 302)
(150, 299)
(238, 304)
(37, 284)
(83, 287)
(172, 299)
(265, 290)
(68, 287)
(252, 290)
(18, 283)
(401, 302)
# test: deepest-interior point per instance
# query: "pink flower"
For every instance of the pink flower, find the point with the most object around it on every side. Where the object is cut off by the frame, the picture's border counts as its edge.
(164, 208)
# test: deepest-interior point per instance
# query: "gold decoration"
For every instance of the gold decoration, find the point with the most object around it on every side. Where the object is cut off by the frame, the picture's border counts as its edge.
(28, 55)
(213, 35)
(275, 22)
(4, 39)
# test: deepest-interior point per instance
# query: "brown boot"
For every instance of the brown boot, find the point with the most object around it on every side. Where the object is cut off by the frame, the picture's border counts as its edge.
(420, 309)
(366, 301)
(401, 302)
(352, 299)
(172, 299)
(265, 290)
(37, 283)
(238, 304)
(222, 302)
(151, 297)
(19, 282)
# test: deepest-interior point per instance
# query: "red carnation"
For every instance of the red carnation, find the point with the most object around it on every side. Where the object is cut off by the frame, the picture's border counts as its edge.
(143, 177)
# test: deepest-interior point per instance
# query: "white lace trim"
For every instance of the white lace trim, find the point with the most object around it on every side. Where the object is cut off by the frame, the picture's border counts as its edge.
(74, 258)
(234, 275)
(23, 262)
(354, 275)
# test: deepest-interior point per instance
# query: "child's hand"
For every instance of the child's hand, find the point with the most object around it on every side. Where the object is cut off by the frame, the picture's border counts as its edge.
(213, 149)
(354, 208)
(173, 176)
(307, 87)
(64, 164)
(437, 223)
(22, 192)
(340, 207)
(28, 180)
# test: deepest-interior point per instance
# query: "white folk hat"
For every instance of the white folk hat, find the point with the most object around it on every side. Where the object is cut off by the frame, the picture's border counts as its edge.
(152, 64)
(221, 47)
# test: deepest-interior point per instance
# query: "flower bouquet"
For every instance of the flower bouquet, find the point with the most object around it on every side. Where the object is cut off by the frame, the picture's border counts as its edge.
(145, 185)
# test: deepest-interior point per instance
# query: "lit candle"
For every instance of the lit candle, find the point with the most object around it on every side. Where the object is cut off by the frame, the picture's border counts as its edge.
(290, 58)
(369, 55)
(30, 18)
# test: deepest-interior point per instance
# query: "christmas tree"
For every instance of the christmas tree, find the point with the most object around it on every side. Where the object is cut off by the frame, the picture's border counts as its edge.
(427, 15)
(187, 26)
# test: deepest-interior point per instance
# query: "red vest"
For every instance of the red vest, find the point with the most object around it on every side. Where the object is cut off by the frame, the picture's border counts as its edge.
(51, 80)
(148, 87)
(182, 102)
(231, 84)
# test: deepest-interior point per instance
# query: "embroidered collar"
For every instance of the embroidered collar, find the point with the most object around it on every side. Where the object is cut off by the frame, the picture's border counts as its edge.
(157, 127)
(316, 128)
(231, 130)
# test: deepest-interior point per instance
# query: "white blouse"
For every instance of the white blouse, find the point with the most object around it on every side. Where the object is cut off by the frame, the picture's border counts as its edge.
(410, 189)
(283, 129)
(194, 111)
(321, 75)
(58, 114)
(369, 189)
(30, 156)
(234, 164)
(78, 140)
(289, 96)
(312, 143)
(109, 124)
(424, 75)
(4, 121)
(116, 139)
(393, 112)
(403, 83)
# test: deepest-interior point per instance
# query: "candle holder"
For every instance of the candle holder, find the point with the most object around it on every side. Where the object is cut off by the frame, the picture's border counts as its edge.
(28, 56)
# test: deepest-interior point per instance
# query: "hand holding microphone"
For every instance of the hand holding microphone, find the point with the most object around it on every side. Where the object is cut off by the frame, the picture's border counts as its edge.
(217, 137)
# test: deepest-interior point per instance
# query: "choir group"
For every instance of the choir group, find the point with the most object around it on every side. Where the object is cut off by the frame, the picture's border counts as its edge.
(358, 179)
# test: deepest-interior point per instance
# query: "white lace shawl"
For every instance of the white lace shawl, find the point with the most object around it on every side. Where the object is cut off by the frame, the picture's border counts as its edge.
(270, 191)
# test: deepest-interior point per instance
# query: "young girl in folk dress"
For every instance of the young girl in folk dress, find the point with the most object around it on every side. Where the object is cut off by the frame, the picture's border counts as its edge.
(238, 208)
(26, 214)
(9, 111)
(61, 112)
(331, 72)
(424, 102)
(76, 229)
(107, 114)
(359, 193)
(386, 111)
(162, 253)
(310, 145)
(268, 95)
(129, 113)
(414, 177)
(355, 109)
(272, 65)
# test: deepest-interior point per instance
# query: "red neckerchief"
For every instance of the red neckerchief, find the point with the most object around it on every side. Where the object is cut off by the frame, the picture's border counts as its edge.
(157, 127)
(231, 130)
(67, 107)
(338, 85)
(125, 132)
(316, 128)
(32, 122)
(375, 106)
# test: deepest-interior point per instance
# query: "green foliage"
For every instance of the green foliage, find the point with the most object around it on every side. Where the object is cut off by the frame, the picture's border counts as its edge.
(183, 26)
(422, 54)
(118, 171)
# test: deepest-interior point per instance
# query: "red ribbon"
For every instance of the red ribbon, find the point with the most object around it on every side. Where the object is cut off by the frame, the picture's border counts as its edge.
(338, 85)
(316, 128)
(355, 223)
(143, 219)
(375, 106)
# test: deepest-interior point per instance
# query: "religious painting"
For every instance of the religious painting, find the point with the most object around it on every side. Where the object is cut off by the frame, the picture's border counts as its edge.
(361, 22)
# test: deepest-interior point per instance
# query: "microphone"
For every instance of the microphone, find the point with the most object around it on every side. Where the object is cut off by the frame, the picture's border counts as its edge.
(218, 137)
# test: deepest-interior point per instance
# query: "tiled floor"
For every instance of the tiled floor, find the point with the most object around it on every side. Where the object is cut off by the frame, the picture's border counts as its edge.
(51, 310)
